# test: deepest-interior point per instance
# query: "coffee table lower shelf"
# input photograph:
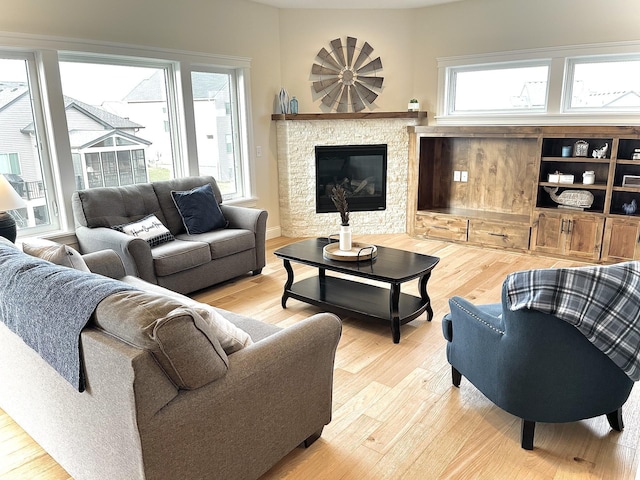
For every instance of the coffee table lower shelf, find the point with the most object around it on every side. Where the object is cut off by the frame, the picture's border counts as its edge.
(354, 299)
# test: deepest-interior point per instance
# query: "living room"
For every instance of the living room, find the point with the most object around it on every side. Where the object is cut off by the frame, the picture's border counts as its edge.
(281, 45)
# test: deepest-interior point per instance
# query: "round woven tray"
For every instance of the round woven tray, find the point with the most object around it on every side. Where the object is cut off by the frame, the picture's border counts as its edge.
(359, 252)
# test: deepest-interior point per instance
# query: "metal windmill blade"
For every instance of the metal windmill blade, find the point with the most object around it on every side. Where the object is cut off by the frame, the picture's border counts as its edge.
(338, 51)
(372, 81)
(343, 104)
(327, 59)
(372, 66)
(365, 52)
(351, 48)
(320, 70)
(330, 98)
(356, 101)
(321, 85)
(369, 95)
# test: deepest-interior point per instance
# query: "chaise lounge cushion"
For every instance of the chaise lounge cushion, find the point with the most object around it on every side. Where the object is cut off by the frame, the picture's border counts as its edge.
(184, 343)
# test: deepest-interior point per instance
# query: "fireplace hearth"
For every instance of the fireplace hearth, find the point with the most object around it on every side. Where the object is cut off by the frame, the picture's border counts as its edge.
(360, 169)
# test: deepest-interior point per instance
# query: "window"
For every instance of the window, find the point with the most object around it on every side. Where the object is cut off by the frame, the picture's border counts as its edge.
(20, 128)
(128, 119)
(129, 104)
(212, 94)
(498, 88)
(604, 84)
(10, 163)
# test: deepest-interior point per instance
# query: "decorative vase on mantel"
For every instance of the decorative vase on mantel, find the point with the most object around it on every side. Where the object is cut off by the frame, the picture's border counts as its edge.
(283, 99)
(345, 238)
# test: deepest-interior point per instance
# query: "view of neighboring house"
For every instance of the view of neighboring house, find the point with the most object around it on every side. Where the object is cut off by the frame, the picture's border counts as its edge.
(105, 144)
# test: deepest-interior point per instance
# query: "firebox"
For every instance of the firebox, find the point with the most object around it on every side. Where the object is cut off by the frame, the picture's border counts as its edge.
(360, 169)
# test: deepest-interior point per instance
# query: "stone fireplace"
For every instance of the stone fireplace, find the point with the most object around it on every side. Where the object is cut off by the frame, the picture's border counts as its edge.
(297, 139)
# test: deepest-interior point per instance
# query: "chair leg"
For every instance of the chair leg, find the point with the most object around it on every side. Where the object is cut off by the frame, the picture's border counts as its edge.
(527, 430)
(615, 420)
(456, 377)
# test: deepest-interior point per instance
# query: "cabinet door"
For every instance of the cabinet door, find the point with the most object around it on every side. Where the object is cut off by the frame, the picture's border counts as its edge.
(568, 234)
(584, 236)
(621, 240)
(547, 233)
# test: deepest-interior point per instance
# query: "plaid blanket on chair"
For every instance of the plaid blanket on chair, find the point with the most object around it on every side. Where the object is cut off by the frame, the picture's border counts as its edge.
(603, 302)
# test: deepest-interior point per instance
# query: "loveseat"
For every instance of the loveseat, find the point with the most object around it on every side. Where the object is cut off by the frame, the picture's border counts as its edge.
(189, 261)
(174, 397)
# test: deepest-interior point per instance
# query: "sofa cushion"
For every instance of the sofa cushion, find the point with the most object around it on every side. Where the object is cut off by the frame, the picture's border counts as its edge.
(149, 229)
(55, 253)
(179, 255)
(109, 206)
(184, 344)
(225, 242)
(199, 210)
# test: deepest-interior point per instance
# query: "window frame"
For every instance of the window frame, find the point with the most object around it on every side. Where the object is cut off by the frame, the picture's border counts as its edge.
(571, 63)
(451, 88)
(557, 92)
(54, 145)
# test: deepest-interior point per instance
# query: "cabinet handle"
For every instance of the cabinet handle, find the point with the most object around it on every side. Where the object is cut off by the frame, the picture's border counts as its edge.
(569, 226)
(498, 235)
(562, 226)
(438, 227)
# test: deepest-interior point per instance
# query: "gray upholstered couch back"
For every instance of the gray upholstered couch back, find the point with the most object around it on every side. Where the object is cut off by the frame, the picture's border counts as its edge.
(109, 206)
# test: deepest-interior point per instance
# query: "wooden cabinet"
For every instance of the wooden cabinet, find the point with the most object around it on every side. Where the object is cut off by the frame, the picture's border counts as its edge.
(441, 226)
(507, 200)
(576, 235)
(621, 240)
(488, 233)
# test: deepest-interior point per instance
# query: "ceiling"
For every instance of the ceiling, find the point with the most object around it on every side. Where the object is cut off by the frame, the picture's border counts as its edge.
(353, 4)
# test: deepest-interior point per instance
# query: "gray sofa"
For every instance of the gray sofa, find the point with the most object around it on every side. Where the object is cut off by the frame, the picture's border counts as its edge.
(136, 420)
(188, 263)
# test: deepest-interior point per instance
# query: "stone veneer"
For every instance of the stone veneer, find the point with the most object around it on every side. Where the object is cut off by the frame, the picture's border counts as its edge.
(296, 140)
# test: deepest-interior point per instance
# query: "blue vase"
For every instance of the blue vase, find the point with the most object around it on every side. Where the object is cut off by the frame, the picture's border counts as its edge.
(293, 106)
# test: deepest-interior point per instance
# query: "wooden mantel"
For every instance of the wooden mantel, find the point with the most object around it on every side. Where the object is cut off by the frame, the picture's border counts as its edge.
(347, 116)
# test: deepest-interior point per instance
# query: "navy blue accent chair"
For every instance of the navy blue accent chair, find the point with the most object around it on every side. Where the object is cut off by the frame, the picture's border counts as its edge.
(532, 365)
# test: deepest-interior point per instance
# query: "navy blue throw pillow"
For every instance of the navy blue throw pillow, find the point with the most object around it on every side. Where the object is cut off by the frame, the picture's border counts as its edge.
(199, 210)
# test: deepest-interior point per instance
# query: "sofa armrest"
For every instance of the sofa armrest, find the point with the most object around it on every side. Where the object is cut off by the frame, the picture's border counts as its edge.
(276, 393)
(105, 262)
(252, 219)
(135, 253)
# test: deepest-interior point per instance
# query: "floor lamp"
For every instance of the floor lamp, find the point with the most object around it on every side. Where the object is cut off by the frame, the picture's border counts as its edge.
(9, 200)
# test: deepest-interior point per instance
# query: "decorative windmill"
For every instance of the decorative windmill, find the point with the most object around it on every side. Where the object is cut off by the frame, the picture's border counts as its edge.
(344, 81)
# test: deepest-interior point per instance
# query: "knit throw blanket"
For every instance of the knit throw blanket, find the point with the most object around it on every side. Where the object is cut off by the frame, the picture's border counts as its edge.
(602, 302)
(48, 305)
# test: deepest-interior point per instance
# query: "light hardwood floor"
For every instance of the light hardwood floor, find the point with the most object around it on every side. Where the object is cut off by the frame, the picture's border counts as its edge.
(396, 414)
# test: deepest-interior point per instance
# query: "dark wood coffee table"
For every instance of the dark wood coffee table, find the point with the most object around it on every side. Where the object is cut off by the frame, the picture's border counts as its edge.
(352, 298)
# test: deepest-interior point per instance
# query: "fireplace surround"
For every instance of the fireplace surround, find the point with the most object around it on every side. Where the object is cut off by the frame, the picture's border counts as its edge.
(297, 137)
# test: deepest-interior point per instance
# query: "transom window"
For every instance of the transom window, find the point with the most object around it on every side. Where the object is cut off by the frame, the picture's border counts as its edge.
(605, 84)
(498, 88)
(591, 84)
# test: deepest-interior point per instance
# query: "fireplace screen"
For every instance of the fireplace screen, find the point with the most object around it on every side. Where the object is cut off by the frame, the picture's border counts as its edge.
(360, 169)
